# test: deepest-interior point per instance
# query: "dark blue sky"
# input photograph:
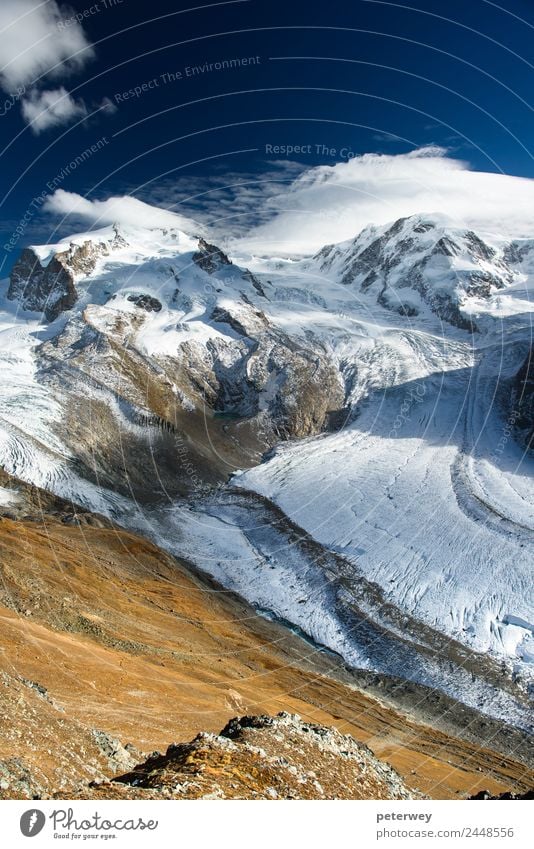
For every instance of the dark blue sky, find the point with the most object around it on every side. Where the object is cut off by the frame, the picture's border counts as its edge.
(374, 76)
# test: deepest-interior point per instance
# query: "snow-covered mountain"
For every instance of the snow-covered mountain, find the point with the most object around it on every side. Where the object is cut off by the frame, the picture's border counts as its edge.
(421, 262)
(343, 440)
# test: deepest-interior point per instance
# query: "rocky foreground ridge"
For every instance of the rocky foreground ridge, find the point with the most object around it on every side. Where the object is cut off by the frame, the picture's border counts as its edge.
(260, 757)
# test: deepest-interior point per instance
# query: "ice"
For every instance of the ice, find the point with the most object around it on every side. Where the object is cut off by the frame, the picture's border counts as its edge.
(8, 497)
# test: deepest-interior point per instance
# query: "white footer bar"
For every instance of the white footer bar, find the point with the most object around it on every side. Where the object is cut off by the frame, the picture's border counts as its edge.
(273, 825)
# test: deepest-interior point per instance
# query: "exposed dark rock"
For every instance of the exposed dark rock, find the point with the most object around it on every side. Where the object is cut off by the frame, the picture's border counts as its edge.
(48, 289)
(479, 248)
(245, 323)
(515, 252)
(248, 275)
(291, 387)
(145, 302)
(209, 257)
(523, 401)
(424, 227)
(486, 795)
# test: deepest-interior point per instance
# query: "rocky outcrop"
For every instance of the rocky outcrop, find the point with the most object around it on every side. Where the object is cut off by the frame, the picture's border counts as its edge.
(289, 387)
(209, 258)
(261, 757)
(36, 728)
(212, 259)
(50, 288)
(485, 795)
(145, 302)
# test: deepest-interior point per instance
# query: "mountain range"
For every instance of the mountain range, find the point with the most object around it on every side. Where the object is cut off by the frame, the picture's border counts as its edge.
(343, 441)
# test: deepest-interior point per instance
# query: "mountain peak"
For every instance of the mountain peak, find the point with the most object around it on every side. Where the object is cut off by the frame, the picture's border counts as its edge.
(421, 262)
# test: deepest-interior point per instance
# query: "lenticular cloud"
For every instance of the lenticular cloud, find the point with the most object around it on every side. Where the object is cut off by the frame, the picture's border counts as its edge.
(332, 203)
(125, 210)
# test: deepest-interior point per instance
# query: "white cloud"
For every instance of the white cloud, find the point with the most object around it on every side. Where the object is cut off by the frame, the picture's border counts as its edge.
(41, 42)
(331, 203)
(45, 109)
(38, 38)
(124, 210)
(287, 215)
